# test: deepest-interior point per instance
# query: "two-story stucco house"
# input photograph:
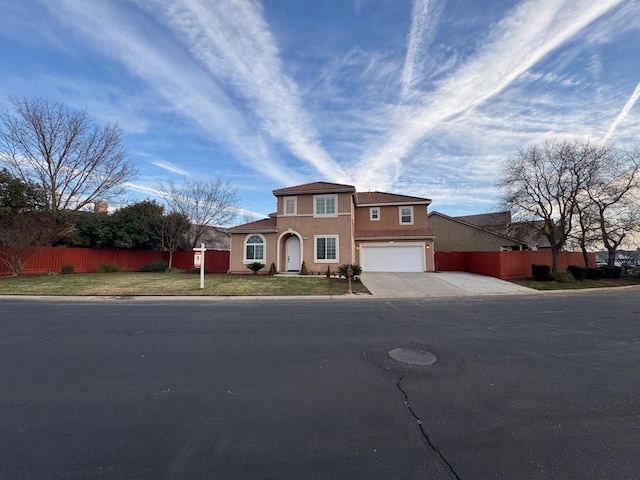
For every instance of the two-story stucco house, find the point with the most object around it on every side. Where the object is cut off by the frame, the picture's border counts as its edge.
(329, 224)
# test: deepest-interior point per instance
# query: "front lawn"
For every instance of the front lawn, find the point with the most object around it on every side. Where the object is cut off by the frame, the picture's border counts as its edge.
(139, 284)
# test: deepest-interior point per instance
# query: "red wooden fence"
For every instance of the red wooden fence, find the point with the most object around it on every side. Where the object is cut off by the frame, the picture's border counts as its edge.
(84, 260)
(505, 265)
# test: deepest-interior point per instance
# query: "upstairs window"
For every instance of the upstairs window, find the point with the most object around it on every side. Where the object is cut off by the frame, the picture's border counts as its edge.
(290, 205)
(406, 215)
(254, 248)
(325, 205)
(374, 214)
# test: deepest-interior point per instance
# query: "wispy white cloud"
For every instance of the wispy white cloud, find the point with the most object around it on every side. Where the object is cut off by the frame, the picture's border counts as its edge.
(146, 53)
(419, 25)
(233, 42)
(518, 42)
(170, 167)
(623, 113)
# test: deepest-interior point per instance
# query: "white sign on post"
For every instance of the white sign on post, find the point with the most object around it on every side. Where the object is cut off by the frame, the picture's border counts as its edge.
(198, 261)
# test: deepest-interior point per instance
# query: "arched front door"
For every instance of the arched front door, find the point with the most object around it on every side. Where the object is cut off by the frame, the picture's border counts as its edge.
(292, 248)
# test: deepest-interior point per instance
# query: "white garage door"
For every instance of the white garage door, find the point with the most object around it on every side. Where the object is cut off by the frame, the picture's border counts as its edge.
(396, 258)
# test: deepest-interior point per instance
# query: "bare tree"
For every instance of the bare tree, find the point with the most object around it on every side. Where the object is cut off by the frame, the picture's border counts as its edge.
(25, 225)
(613, 195)
(75, 161)
(544, 182)
(205, 203)
(22, 234)
(174, 228)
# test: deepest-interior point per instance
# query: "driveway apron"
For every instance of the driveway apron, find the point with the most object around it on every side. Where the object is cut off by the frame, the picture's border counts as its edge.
(441, 284)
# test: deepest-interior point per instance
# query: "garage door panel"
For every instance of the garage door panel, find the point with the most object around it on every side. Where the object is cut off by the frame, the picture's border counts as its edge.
(395, 258)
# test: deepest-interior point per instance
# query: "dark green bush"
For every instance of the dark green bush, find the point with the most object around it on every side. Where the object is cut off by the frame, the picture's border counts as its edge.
(67, 269)
(578, 272)
(617, 272)
(328, 274)
(156, 266)
(608, 272)
(595, 273)
(342, 270)
(255, 266)
(272, 269)
(108, 268)
(562, 277)
(541, 272)
(303, 269)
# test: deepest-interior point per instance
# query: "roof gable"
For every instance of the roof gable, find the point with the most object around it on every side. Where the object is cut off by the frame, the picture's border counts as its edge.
(315, 187)
(264, 225)
(477, 227)
(497, 221)
(382, 198)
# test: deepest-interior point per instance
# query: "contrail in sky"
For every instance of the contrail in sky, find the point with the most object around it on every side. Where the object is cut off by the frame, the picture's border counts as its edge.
(623, 113)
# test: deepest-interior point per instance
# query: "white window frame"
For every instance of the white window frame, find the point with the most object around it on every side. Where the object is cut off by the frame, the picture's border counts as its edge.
(246, 243)
(295, 206)
(410, 208)
(375, 210)
(315, 249)
(315, 206)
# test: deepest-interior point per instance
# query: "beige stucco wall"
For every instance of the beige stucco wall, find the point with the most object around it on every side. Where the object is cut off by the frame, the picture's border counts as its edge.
(236, 264)
(389, 218)
(452, 236)
(306, 227)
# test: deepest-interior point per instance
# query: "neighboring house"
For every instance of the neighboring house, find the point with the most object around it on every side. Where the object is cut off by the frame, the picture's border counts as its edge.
(214, 238)
(325, 225)
(458, 234)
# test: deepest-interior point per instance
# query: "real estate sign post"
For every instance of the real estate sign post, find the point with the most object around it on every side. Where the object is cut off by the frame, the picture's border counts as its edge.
(198, 261)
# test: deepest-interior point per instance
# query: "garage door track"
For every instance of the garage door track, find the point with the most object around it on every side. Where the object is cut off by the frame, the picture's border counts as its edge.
(441, 284)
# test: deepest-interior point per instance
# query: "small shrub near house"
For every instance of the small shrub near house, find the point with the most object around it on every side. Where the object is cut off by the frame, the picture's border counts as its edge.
(108, 268)
(344, 268)
(578, 272)
(67, 269)
(255, 267)
(156, 266)
(175, 271)
(272, 269)
(541, 272)
(303, 269)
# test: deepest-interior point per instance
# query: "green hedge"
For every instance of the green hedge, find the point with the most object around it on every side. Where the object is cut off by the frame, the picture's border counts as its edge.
(541, 272)
(578, 272)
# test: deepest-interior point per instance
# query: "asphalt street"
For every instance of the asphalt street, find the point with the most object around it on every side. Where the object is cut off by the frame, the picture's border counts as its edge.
(524, 387)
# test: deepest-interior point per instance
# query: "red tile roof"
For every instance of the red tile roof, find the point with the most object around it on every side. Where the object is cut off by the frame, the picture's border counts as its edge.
(395, 233)
(377, 198)
(265, 224)
(315, 187)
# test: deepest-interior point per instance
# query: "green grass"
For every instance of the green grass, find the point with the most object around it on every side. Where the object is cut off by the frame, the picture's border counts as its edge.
(577, 285)
(139, 284)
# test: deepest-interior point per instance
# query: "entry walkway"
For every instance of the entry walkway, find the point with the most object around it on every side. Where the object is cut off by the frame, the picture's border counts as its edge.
(441, 284)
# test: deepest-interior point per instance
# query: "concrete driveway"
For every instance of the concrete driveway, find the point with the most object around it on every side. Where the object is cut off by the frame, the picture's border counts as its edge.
(441, 284)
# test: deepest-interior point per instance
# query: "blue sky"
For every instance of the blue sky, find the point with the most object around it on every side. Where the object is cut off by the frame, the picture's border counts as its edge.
(423, 97)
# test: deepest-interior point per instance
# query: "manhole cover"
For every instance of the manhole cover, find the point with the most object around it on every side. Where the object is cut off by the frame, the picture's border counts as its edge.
(413, 356)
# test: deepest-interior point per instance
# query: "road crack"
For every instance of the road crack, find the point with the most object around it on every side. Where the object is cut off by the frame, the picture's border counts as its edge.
(423, 430)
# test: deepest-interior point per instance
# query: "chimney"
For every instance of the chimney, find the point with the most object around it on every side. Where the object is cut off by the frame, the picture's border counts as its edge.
(100, 207)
